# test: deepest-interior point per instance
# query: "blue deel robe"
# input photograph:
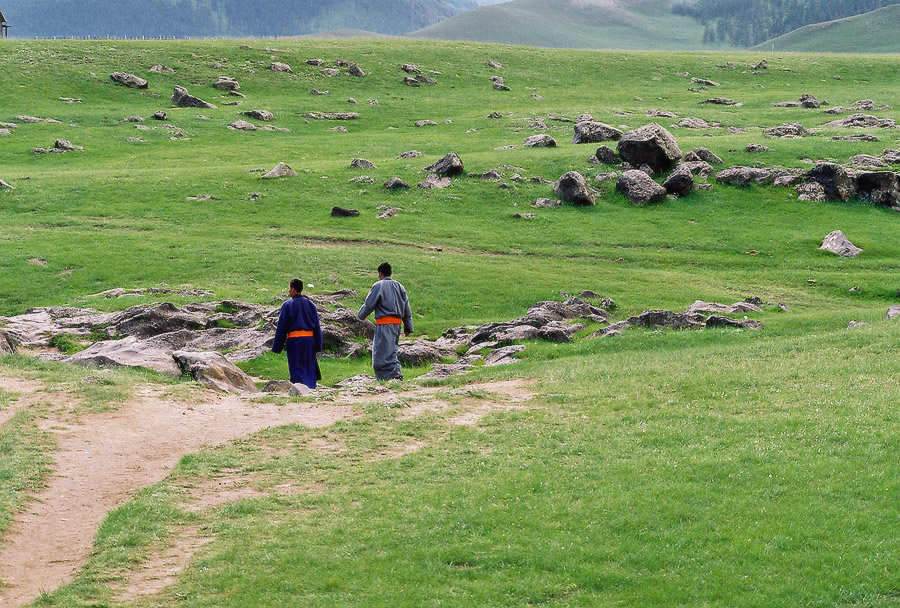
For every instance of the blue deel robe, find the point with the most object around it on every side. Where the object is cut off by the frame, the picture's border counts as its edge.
(297, 314)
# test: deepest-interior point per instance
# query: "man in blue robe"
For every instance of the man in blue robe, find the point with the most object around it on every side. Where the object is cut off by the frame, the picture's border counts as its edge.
(299, 331)
(388, 300)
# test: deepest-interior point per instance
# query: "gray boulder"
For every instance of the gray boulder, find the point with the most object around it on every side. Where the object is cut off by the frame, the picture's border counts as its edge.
(449, 166)
(680, 183)
(589, 131)
(503, 355)
(280, 170)
(242, 125)
(744, 176)
(667, 318)
(263, 115)
(650, 145)
(891, 156)
(834, 179)
(127, 352)
(862, 120)
(809, 101)
(395, 183)
(129, 80)
(867, 161)
(226, 83)
(639, 188)
(278, 66)
(214, 371)
(879, 187)
(696, 167)
(572, 188)
(812, 192)
(698, 154)
(540, 141)
(182, 98)
(362, 163)
(607, 155)
(7, 344)
(837, 243)
(790, 129)
(892, 313)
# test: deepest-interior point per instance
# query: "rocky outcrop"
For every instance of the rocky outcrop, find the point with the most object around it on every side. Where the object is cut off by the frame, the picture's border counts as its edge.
(7, 344)
(837, 243)
(572, 188)
(544, 321)
(214, 371)
(588, 131)
(128, 352)
(182, 98)
(744, 176)
(863, 120)
(650, 145)
(639, 188)
(834, 179)
(449, 166)
(879, 187)
(789, 129)
(129, 80)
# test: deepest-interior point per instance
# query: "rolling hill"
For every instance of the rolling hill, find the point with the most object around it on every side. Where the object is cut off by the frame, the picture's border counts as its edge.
(874, 32)
(221, 18)
(593, 24)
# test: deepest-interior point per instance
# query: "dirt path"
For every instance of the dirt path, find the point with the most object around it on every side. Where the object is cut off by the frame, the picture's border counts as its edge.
(105, 457)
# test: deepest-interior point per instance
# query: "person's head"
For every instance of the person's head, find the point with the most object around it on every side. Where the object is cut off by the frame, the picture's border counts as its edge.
(296, 287)
(384, 270)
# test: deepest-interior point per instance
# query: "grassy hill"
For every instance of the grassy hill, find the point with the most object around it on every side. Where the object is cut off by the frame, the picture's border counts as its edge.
(874, 32)
(588, 24)
(659, 468)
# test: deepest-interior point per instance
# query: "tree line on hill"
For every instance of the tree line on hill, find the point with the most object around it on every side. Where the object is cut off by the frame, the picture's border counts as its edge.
(218, 18)
(747, 23)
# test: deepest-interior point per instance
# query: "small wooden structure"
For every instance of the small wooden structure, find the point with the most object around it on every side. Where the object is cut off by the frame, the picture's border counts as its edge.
(4, 26)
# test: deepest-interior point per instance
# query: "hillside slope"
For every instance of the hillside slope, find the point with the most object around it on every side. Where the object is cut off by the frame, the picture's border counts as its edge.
(221, 18)
(874, 32)
(589, 24)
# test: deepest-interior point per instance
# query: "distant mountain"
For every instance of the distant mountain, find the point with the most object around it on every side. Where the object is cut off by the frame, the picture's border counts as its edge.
(592, 24)
(873, 32)
(222, 18)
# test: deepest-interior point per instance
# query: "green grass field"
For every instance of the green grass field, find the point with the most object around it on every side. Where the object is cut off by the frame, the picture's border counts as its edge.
(717, 468)
(870, 32)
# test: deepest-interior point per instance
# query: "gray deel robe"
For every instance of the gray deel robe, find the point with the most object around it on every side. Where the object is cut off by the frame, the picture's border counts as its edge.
(387, 298)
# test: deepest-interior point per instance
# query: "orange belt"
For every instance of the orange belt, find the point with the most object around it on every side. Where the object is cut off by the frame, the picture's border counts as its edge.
(301, 333)
(389, 321)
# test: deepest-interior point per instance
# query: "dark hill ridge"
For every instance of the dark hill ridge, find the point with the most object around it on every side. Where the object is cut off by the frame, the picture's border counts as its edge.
(222, 18)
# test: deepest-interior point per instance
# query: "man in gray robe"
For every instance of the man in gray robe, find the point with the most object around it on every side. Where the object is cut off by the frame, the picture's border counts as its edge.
(388, 300)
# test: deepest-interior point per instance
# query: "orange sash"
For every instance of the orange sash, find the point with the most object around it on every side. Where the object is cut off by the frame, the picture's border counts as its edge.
(301, 333)
(389, 321)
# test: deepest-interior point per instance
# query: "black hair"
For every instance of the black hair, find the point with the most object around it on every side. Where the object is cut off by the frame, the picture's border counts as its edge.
(297, 285)
(385, 269)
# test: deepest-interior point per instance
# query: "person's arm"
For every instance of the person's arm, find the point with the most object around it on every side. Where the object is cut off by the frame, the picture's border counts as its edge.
(317, 330)
(371, 301)
(280, 331)
(407, 315)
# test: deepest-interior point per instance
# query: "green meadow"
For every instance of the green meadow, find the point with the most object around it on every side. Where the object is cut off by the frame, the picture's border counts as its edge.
(657, 468)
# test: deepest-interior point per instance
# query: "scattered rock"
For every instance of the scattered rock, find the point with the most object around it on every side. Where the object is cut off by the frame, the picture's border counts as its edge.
(5, 186)
(434, 181)
(410, 154)
(159, 115)
(278, 66)
(395, 183)
(754, 148)
(639, 188)
(362, 163)
(214, 371)
(263, 115)
(493, 174)
(7, 344)
(837, 243)
(333, 115)
(693, 123)
(651, 145)
(606, 155)
(318, 92)
(722, 101)
(388, 212)
(494, 64)
(863, 121)
(425, 123)
(744, 176)
(791, 129)
(242, 125)
(705, 82)
(879, 187)
(868, 161)
(182, 98)
(129, 80)
(588, 131)
(892, 313)
(127, 352)
(410, 82)
(449, 165)
(541, 140)
(654, 113)
(162, 69)
(811, 192)
(503, 355)
(702, 154)
(341, 212)
(546, 202)
(280, 170)
(696, 167)
(809, 101)
(226, 83)
(679, 183)
(572, 188)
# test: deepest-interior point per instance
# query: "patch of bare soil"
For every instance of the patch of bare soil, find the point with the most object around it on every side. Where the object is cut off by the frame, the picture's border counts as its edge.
(103, 458)
(27, 393)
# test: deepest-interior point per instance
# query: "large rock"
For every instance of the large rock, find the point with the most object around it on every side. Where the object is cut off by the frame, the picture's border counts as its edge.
(837, 243)
(449, 165)
(790, 129)
(226, 83)
(879, 187)
(834, 179)
(182, 98)
(702, 154)
(127, 352)
(129, 80)
(667, 318)
(214, 371)
(862, 120)
(572, 188)
(680, 183)
(892, 313)
(419, 352)
(744, 176)
(639, 188)
(7, 344)
(650, 145)
(809, 101)
(164, 318)
(280, 170)
(263, 115)
(541, 140)
(589, 131)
